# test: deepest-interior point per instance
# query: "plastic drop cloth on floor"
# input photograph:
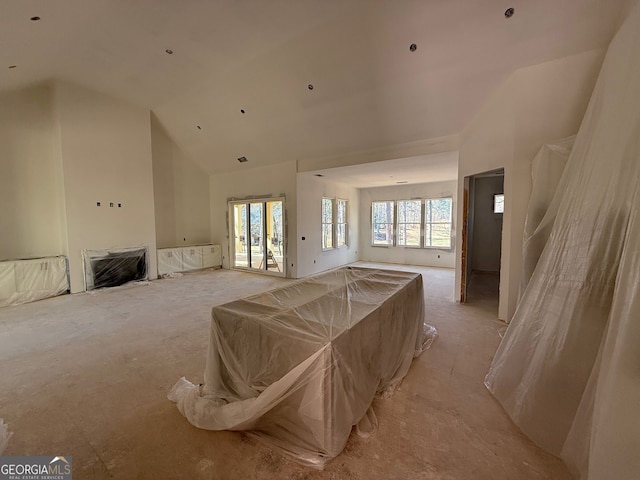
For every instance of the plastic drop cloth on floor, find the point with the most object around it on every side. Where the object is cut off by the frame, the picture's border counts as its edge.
(568, 368)
(299, 366)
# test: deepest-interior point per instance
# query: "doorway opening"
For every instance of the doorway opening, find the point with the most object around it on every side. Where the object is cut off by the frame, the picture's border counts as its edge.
(256, 237)
(482, 238)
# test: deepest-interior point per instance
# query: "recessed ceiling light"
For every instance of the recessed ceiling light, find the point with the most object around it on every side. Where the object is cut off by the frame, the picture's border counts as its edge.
(413, 47)
(169, 51)
(319, 175)
(509, 12)
(243, 159)
(12, 66)
(242, 110)
(404, 181)
(198, 127)
(34, 19)
(310, 86)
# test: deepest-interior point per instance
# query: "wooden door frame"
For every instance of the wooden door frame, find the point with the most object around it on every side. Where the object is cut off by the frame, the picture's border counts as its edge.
(465, 215)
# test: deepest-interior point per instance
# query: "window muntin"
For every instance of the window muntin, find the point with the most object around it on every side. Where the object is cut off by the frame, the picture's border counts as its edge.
(382, 221)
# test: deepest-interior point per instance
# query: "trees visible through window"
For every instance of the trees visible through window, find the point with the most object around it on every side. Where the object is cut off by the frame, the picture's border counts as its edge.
(327, 223)
(334, 223)
(382, 214)
(409, 221)
(437, 225)
(412, 223)
(341, 223)
(256, 234)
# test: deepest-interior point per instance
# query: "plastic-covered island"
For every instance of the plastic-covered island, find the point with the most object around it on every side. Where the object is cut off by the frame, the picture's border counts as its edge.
(299, 366)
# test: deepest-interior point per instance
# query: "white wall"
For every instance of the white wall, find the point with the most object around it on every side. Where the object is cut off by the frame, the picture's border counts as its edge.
(181, 194)
(431, 257)
(106, 152)
(311, 258)
(535, 105)
(260, 182)
(487, 226)
(32, 217)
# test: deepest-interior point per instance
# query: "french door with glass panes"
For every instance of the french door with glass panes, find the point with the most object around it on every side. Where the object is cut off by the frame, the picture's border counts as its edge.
(256, 233)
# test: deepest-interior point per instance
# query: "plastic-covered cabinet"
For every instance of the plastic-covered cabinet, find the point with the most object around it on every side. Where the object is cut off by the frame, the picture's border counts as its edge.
(170, 260)
(211, 256)
(183, 259)
(192, 258)
(45, 275)
(24, 281)
(7, 282)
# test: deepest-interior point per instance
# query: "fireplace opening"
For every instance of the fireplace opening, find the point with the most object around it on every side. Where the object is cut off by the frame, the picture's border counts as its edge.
(111, 268)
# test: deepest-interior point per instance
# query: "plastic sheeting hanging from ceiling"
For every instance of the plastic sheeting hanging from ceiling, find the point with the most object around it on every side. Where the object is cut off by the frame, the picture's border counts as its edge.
(568, 369)
(547, 168)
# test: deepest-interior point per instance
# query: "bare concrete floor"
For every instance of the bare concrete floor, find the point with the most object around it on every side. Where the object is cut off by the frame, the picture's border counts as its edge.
(87, 375)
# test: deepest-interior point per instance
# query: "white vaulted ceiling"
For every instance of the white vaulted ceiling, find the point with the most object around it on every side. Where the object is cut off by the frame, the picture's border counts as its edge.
(369, 90)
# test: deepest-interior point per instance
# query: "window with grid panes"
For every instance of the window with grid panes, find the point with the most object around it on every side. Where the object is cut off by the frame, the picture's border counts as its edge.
(409, 222)
(437, 222)
(382, 220)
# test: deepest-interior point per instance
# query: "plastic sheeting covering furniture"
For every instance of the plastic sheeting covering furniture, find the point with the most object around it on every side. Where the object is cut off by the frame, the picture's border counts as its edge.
(568, 368)
(183, 259)
(23, 281)
(300, 365)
